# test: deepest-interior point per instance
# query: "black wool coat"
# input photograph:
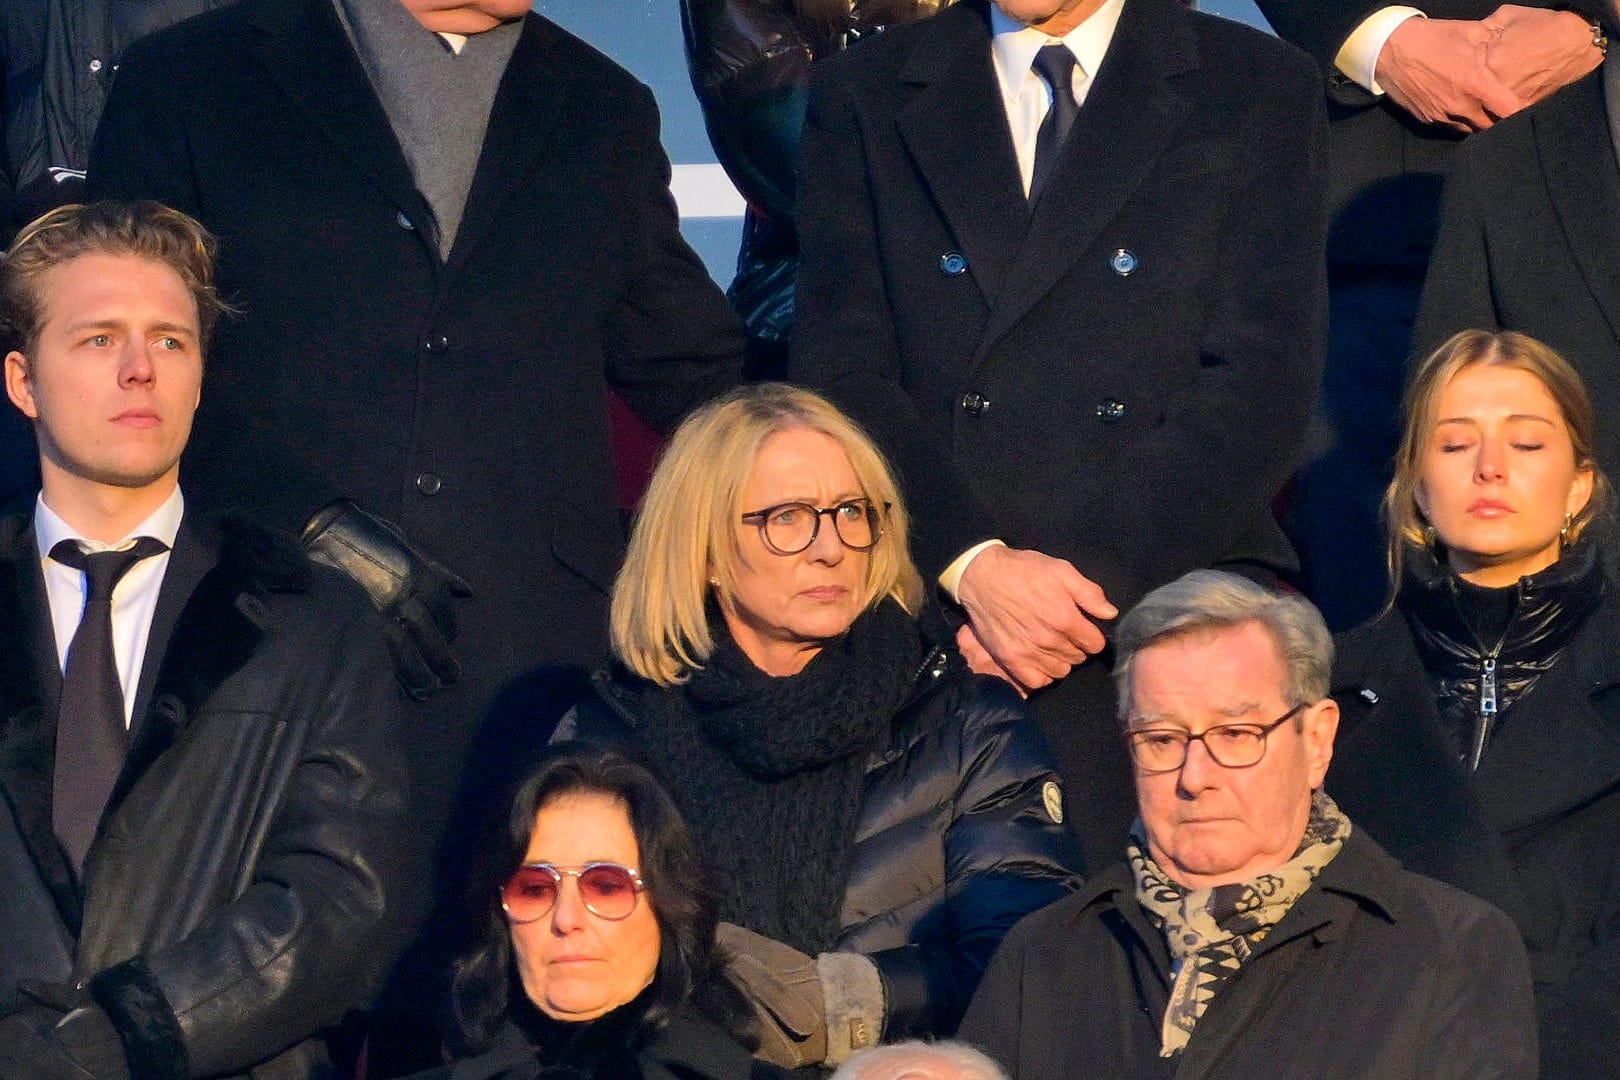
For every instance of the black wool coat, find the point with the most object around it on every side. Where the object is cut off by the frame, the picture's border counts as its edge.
(238, 899)
(1121, 376)
(1536, 830)
(463, 399)
(1527, 243)
(1374, 974)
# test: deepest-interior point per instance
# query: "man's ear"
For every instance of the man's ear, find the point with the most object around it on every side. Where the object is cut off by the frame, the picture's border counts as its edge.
(1320, 725)
(20, 384)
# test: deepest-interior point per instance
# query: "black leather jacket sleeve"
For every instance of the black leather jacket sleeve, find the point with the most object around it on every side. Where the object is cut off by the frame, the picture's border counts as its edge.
(307, 935)
(750, 65)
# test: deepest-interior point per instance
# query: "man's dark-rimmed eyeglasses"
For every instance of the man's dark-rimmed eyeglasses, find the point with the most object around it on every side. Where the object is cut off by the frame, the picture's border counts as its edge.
(1233, 746)
(791, 527)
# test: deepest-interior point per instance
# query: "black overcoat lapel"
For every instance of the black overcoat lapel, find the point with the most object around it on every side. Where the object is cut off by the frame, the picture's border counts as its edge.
(1577, 156)
(955, 130)
(30, 687)
(1395, 775)
(531, 98)
(306, 51)
(1553, 751)
(1136, 108)
(216, 632)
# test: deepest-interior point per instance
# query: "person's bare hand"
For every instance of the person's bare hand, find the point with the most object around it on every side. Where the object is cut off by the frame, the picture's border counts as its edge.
(979, 659)
(1536, 51)
(1438, 70)
(1032, 613)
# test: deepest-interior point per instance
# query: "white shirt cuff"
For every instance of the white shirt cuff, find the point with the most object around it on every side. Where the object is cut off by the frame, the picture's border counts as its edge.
(950, 579)
(1358, 56)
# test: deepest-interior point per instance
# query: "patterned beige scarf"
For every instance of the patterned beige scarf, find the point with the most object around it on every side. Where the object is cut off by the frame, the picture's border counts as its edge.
(1212, 932)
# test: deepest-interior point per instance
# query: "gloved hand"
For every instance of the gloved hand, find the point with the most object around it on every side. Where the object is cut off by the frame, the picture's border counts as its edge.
(809, 1011)
(782, 985)
(413, 592)
(41, 1043)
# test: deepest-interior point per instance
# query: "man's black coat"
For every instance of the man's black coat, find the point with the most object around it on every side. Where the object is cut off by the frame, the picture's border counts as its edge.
(1528, 243)
(464, 400)
(238, 898)
(1120, 376)
(1374, 974)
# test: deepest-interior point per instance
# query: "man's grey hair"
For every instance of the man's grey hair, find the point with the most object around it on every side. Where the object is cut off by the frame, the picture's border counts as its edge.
(918, 1060)
(1210, 600)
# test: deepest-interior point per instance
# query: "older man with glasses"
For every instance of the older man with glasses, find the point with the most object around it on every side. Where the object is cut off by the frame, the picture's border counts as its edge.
(1253, 930)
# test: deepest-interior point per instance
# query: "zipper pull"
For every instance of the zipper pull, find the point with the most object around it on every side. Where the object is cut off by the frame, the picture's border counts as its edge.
(1487, 687)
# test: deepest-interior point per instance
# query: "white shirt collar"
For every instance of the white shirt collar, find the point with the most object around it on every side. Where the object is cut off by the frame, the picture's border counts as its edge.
(1016, 44)
(163, 524)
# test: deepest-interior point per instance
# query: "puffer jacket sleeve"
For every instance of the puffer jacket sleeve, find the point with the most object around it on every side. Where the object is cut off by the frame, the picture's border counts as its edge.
(1007, 854)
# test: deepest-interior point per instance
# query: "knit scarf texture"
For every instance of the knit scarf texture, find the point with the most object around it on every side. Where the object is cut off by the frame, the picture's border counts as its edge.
(1213, 932)
(769, 771)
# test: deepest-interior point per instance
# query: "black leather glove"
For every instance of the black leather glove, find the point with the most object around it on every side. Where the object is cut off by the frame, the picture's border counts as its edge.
(414, 593)
(41, 1043)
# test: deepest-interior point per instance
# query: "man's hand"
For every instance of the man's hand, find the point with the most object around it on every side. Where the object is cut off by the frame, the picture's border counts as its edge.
(1438, 70)
(979, 659)
(1032, 614)
(1536, 51)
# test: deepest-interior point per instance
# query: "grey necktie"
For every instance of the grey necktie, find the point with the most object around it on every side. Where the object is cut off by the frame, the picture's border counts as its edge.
(1055, 65)
(91, 737)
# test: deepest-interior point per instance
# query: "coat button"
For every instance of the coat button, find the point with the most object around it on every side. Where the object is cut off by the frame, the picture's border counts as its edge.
(435, 343)
(95, 66)
(404, 222)
(953, 264)
(1110, 409)
(975, 404)
(429, 484)
(1122, 262)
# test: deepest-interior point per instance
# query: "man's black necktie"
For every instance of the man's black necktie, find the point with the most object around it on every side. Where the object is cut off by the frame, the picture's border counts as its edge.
(91, 736)
(1055, 65)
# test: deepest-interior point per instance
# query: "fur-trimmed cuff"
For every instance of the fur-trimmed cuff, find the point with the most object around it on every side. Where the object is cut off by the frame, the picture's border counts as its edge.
(153, 1043)
(853, 992)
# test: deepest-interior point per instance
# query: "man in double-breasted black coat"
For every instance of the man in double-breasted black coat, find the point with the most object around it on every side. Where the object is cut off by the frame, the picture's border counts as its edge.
(1113, 380)
(1441, 69)
(448, 376)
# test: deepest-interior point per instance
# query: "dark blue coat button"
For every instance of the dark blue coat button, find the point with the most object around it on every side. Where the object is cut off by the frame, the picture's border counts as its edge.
(1122, 262)
(1110, 409)
(975, 404)
(429, 484)
(435, 343)
(953, 264)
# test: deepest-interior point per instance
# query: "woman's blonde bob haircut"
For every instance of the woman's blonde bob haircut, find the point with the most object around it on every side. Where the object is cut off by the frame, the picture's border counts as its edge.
(1408, 529)
(685, 540)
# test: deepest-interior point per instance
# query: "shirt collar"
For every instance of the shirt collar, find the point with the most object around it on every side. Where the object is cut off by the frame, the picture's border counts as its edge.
(1015, 44)
(162, 524)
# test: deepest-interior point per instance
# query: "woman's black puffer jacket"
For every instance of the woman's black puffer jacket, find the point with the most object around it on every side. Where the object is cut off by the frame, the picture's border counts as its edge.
(959, 836)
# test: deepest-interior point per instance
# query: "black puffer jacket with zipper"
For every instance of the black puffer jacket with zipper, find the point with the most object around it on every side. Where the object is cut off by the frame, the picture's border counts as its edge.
(959, 836)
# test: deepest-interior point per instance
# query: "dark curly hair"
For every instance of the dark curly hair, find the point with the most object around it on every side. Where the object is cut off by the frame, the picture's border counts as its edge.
(677, 886)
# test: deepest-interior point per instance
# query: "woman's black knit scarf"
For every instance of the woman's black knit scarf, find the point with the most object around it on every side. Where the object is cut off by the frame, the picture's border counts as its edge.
(769, 770)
